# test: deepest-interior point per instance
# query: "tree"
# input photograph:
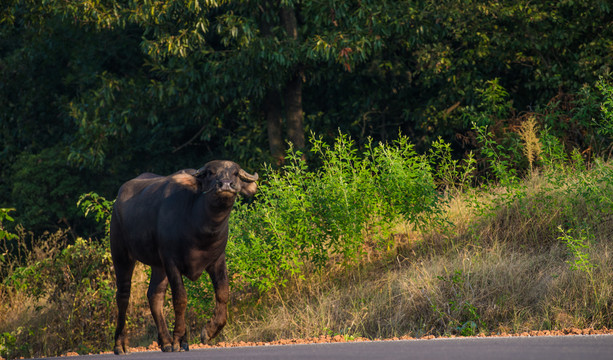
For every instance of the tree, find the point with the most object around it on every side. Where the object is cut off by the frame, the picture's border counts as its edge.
(160, 85)
(44, 68)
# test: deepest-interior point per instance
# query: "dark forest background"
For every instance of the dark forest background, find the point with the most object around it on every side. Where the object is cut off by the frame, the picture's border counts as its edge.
(94, 92)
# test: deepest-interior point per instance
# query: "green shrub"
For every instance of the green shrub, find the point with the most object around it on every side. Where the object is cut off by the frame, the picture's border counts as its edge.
(65, 286)
(449, 173)
(69, 293)
(101, 208)
(5, 236)
(605, 125)
(302, 217)
(4, 215)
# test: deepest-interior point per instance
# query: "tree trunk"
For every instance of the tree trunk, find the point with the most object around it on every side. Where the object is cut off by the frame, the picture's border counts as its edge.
(272, 106)
(293, 88)
(293, 108)
(289, 22)
(290, 100)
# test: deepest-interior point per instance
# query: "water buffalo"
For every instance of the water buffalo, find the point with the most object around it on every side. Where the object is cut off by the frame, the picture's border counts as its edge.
(178, 225)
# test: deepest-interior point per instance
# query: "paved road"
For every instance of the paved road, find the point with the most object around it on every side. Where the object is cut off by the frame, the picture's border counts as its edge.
(592, 347)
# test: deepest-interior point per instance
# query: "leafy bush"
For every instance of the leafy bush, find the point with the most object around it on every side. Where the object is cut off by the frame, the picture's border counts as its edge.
(4, 215)
(582, 120)
(302, 217)
(66, 287)
(101, 208)
(69, 292)
(605, 126)
(5, 235)
(449, 173)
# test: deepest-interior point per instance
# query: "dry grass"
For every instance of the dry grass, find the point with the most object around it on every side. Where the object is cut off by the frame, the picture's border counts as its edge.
(528, 134)
(510, 291)
(62, 299)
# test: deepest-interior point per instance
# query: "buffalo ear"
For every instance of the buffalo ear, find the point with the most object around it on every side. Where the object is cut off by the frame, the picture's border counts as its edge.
(249, 189)
(249, 183)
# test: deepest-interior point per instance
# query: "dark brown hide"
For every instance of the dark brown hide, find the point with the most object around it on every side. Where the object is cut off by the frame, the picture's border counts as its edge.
(178, 225)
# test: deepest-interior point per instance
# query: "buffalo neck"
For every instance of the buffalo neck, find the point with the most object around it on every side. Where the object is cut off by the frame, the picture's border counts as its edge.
(215, 211)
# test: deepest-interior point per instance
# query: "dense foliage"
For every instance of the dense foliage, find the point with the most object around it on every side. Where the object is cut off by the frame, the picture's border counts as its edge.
(94, 92)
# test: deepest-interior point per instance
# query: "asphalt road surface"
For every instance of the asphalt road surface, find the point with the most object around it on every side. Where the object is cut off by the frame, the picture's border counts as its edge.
(589, 347)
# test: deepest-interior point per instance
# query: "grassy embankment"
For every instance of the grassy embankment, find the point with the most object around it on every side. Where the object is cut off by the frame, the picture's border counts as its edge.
(385, 244)
(512, 270)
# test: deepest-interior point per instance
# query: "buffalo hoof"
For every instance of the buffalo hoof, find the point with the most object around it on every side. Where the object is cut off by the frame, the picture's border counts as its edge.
(204, 336)
(182, 347)
(121, 350)
(167, 348)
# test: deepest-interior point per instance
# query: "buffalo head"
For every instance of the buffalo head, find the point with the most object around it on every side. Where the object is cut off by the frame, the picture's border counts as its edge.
(225, 179)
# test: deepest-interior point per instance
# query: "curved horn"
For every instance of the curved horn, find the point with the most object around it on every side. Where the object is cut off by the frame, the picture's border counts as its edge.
(200, 171)
(243, 175)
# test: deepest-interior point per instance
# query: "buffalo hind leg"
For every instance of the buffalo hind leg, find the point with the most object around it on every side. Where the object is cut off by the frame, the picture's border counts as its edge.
(219, 277)
(156, 292)
(123, 275)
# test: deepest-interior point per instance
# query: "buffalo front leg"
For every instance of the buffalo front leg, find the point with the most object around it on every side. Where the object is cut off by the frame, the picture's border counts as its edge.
(219, 277)
(155, 294)
(179, 302)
